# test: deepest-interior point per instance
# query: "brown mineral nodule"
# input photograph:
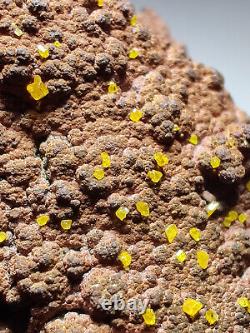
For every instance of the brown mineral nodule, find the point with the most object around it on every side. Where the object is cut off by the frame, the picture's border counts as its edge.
(124, 174)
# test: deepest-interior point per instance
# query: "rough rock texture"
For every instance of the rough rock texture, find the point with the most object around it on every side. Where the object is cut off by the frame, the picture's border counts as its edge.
(56, 279)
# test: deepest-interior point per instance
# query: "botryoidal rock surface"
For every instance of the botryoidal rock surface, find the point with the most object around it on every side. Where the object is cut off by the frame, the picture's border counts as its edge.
(161, 216)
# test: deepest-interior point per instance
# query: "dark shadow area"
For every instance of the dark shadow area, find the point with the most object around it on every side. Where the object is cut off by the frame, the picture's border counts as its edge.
(228, 194)
(15, 318)
(12, 104)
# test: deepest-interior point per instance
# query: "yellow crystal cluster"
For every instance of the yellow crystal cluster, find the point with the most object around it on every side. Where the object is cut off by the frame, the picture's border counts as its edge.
(125, 259)
(37, 89)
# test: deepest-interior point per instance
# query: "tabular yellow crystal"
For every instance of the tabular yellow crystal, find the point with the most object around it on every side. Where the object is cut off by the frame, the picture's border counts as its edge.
(149, 317)
(181, 256)
(133, 54)
(242, 218)
(202, 259)
(100, 3)
(135, 115)
(121, 213)
(191, 307)
(106, 161)
(43, 51)
(211, 316)
(143, 208)
(248, 186)
(17, 31)
(66, 224)
(38, 89)
(99, 173)
(112, 87)
(215, 162)
(42, 220)
(227, 222)
(57, 43)
(155, 176)
(176, 128)
(193, 139)
(3, 236)
(243, 302)
(125, 258)
(232, 215)
(212, 207)
(171, 232)
(195, 234)
(133, 21)
(161, 159)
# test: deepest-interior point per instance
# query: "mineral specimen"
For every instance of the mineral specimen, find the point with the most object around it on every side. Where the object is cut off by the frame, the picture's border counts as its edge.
(124, 173)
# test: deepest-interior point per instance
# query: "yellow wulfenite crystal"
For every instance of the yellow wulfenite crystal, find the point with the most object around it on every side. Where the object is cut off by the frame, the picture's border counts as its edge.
(181, 256)
(242, 218)
(202, 258)
(155, 176)
(121, 213)
(42, 220)
(106, 161)
(143, 208)
(100, 3)
(215, 162)
(37, 89)
(3, 236)
(135, 115)
(243, 302)
(149, 317)
(212, 207)
(211, 316)
(193, 139)
(99, 173)
(161, 159)
(43, 51)
(191, 307)
(133, 21)
(176, 128)
(125, 258)
(133, 54)
(66, 224)
(17, 31)
(232, 215)
(112, 87)
(57, 44)
(195, 234)
(248, 186)
(227, 222)
(171, 232)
